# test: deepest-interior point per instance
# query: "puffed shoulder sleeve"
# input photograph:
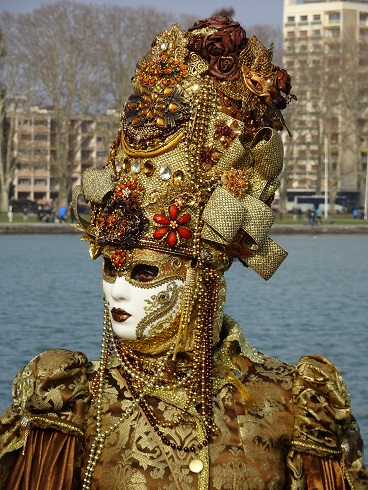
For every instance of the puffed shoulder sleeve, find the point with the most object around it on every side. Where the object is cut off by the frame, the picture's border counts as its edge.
(50, 396)
(326, 451)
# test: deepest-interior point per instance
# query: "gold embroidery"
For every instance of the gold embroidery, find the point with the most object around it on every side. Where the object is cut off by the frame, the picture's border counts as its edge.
(159, 305)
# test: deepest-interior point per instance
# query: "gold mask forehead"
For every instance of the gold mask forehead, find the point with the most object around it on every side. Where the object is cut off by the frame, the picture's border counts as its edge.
(169, 266)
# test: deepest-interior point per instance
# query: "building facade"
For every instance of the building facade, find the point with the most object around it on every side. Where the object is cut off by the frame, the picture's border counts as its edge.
(326, 52)
(36, 175)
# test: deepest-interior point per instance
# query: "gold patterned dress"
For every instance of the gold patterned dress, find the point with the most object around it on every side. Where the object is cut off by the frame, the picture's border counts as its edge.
(279, 427)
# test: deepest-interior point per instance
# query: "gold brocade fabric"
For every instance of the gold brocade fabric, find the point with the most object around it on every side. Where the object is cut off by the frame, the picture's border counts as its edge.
(297, 434)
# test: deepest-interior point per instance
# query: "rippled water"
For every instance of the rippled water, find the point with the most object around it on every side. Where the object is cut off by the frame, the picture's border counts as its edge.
(316, 303)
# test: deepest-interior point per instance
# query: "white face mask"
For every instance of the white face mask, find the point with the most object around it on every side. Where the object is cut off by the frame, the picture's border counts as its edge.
(139, 311)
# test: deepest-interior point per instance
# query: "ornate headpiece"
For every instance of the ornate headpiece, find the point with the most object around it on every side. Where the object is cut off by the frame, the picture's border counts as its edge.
(195, 165)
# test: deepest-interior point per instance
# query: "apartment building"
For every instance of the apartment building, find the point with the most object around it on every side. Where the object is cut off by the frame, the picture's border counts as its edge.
(36, 176)
(326, 52)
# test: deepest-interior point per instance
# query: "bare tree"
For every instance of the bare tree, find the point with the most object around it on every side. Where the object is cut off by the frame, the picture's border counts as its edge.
(124, 35)
(55, 42)
(12, 90)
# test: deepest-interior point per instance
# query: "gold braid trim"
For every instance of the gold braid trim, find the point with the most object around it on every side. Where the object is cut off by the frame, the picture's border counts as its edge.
(57, 423)
(16, 445)
(345, 472)
(315, 447)
(170, 143)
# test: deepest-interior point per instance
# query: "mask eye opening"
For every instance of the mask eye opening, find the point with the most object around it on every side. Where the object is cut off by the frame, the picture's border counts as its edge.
(144, 272)
(108, 269)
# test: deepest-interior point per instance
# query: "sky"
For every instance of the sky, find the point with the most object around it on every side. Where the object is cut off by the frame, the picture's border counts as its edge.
(247, 12)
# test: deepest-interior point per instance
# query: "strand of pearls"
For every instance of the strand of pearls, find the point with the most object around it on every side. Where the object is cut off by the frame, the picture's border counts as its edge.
(101, 435)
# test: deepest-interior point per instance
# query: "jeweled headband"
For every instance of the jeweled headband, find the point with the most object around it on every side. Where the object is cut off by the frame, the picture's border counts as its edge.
(195, 165)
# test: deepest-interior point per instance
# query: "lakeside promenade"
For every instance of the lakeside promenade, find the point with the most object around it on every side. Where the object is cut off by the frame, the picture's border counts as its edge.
(19, 228)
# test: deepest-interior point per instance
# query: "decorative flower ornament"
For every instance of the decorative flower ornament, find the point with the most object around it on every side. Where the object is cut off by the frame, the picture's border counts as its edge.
(209, 157)
(172, 226)
(236, 182)
(221, 48)
(226, 132)
(163, 109)
(121, 221)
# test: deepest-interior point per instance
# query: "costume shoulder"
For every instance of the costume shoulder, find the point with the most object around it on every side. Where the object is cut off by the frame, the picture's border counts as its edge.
(50, 391)
(326, 448)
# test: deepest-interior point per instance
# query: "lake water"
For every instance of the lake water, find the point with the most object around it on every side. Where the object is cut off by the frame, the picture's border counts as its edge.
(51, 296)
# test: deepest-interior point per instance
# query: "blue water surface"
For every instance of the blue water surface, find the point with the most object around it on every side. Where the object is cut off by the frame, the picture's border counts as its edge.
(51, 296)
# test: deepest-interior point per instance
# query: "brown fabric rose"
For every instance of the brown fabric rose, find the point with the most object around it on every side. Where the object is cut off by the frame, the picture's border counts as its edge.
(224, 67)
(216, 22)
(283, 80)
(222, 47)
(218, 44)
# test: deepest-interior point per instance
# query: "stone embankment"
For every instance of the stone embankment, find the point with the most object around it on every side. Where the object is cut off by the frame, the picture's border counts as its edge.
(277, 229)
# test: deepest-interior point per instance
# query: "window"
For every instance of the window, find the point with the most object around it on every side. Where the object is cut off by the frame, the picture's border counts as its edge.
(303, 33)
(291, 19)
(304, 18)
(40, 182)
(317, 17)
(334, 48)
(316, 33)
(24, 182)
(87, 126)
(40, 151)
(41, 137)
(334, 17)
(290, 34)
(333, 33)
(41, 122)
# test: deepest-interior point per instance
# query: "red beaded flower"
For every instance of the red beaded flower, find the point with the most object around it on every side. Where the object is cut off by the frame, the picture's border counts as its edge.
(118, 258)
(172, 226)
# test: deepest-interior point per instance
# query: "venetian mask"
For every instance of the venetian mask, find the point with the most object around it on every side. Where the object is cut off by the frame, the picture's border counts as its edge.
(144, 296)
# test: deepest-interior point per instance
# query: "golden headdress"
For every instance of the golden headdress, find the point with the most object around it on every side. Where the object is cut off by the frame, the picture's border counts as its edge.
(195, 165)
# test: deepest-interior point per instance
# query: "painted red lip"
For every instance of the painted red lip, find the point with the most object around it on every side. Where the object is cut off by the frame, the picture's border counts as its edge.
(120, 315)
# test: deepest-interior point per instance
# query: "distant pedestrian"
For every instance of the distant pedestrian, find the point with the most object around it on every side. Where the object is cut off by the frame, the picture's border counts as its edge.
(62, 214)
(10, 213)
(71, 213)
(25, 213)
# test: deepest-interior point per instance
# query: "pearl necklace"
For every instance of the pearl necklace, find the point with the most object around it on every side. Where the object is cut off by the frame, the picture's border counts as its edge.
(142, 382)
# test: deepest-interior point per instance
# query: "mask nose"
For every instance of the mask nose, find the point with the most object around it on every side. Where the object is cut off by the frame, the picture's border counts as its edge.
(119, 289)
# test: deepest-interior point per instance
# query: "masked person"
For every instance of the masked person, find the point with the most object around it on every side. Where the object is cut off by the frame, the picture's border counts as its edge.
(179, 399)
